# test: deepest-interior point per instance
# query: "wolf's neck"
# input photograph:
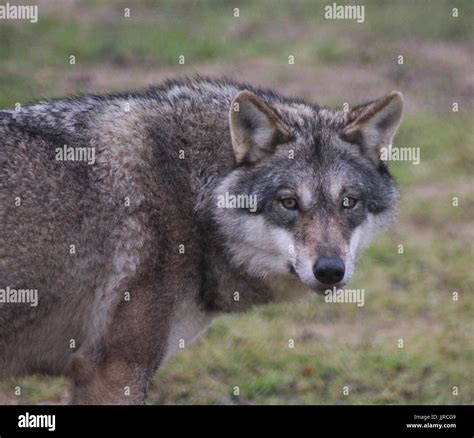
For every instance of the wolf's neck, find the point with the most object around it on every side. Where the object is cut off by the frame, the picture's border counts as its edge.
(228, 288)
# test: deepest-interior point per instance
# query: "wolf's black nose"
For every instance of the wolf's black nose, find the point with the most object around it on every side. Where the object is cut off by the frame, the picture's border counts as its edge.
(329, 270)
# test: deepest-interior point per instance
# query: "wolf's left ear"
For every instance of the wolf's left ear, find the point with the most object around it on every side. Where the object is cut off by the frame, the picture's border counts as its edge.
(373, 125)
(255, 128)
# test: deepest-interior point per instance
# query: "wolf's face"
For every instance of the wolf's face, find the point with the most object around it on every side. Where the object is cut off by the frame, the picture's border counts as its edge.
(312, 188)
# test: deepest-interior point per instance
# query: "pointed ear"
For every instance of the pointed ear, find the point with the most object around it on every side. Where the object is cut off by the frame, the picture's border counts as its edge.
(373, 125)
(255, 128)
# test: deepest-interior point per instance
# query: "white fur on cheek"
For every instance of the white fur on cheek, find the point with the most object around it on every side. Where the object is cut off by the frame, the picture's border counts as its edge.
(284, 241)
(260, 247)
(360, 238)
(354, 243)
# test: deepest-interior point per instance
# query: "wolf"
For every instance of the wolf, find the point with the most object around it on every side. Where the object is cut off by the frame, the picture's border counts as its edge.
(133, 254)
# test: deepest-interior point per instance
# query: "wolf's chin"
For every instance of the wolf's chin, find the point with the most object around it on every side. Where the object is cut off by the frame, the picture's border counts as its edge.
(322, 288)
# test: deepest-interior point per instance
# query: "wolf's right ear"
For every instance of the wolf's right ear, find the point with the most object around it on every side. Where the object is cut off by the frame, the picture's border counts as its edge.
(254, 127)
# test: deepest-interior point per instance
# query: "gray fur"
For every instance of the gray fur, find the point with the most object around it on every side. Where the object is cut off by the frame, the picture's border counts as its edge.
(120, 248)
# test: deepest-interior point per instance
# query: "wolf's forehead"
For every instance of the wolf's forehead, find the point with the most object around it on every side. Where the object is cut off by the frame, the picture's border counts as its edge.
(327, 185)
(296, 112)
(305, 115)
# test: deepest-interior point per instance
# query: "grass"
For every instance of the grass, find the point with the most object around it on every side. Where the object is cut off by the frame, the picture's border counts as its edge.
(342, 354)
(157, 33)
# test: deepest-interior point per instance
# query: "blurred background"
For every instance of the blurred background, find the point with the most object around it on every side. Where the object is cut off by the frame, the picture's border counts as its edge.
(343, 354)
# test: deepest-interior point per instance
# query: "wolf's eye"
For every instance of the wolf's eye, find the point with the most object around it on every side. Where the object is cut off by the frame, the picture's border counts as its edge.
(348, 202)
(289, 203)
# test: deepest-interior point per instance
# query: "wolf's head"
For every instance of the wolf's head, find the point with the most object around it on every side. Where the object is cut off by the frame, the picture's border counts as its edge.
(309, 189)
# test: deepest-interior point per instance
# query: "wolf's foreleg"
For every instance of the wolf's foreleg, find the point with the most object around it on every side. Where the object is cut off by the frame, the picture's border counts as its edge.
(118, 368)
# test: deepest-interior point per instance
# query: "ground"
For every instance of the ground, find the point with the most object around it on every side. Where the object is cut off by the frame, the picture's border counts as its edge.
(343, 354)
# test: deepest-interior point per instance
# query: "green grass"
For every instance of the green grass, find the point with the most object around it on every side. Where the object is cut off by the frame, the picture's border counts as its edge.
(408, 296)
(446, 146)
